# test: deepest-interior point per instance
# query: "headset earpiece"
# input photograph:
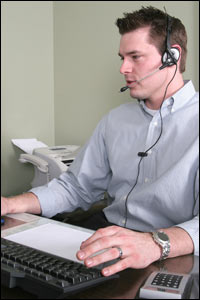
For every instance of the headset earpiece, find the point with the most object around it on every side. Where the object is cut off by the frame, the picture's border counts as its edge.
(170, 57)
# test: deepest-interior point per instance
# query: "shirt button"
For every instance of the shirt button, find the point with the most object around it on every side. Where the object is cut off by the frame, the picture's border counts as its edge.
(155, 124)
(172, 110)
(123, 221)
(146, 180)
(150, 151)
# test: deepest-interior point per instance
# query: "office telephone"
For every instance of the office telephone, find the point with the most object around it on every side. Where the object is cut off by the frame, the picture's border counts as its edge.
(166, 285)
(49, 162)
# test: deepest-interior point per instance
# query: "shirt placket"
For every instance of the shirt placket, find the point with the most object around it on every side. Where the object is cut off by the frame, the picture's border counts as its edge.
(148, 168)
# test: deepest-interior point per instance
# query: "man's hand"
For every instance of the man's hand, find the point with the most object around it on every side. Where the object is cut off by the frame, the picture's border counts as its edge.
(4, 206)
(139, 249)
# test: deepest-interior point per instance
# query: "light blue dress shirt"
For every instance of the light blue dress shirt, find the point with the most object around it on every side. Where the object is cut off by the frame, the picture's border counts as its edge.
(166, 193)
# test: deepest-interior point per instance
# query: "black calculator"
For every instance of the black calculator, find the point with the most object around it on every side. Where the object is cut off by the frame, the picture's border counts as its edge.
(166, 285)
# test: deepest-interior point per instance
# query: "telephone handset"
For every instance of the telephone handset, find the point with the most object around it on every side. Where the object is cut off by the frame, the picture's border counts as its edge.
(40, 163)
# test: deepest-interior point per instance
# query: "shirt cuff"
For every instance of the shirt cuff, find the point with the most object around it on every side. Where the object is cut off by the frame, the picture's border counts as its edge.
(192, 228)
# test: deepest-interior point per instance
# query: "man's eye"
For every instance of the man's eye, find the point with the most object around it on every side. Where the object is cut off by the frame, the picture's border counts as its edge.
(136, 57)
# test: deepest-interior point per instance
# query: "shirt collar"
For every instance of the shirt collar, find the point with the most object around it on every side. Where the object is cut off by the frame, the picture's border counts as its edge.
(183, 96)
(179, 99)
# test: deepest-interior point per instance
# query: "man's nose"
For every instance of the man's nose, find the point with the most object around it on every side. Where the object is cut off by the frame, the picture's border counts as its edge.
(126, 67)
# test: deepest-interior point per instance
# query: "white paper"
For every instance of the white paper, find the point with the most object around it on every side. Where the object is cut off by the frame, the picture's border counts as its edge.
(28, 145)
(52, 238)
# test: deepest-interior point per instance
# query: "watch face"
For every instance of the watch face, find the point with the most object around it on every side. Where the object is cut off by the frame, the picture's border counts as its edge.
(163, 236)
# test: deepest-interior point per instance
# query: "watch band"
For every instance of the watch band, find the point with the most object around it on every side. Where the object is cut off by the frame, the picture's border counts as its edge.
(162, 239)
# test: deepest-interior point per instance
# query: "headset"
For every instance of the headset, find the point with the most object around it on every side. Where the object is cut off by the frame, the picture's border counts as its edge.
(170, 57)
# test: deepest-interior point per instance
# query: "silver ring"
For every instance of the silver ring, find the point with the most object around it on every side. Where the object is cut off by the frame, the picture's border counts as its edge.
(120, 251)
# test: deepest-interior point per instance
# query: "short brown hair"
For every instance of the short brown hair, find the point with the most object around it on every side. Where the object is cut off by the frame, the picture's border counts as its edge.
(157, 20)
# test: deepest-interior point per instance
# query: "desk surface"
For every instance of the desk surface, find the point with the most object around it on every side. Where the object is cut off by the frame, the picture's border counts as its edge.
(124, 287)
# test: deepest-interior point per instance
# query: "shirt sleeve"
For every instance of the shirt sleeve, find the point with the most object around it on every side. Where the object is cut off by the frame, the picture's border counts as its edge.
(84, 183)
(192, 226)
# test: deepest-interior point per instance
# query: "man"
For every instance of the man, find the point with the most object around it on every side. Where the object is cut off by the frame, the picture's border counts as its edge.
(144, 154)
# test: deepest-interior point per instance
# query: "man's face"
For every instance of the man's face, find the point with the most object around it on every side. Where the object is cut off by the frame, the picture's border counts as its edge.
(139, 59)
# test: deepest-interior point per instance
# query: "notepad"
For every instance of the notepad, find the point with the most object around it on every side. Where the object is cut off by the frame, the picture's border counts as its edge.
(55, 239)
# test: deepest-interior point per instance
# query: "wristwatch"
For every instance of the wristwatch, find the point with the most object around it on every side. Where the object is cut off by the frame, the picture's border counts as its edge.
(162, 239)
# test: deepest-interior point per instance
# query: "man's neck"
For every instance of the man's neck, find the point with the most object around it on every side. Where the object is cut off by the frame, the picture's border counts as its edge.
(156, 101)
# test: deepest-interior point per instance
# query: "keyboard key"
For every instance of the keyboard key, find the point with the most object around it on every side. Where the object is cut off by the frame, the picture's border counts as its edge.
(62, 283)
(45, 276)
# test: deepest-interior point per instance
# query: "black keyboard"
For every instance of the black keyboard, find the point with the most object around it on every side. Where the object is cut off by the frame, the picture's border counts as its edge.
(43, 274)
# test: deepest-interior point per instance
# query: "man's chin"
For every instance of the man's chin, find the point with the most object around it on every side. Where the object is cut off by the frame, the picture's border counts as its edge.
(136, 95)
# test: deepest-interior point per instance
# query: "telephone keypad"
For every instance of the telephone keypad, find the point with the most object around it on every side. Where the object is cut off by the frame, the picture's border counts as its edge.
(167, 280)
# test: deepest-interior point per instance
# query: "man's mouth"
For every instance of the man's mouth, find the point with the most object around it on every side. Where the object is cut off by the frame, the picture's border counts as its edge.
(130, 82)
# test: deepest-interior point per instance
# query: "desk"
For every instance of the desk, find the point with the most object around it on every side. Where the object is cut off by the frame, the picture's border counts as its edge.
(125, 287)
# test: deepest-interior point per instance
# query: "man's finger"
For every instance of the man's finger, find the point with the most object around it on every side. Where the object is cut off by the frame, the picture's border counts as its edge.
(117, 267)
(105, 256)
(98, 245)
(99, 234)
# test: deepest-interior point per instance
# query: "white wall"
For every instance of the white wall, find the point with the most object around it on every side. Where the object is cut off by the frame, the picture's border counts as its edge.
(27, 108)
